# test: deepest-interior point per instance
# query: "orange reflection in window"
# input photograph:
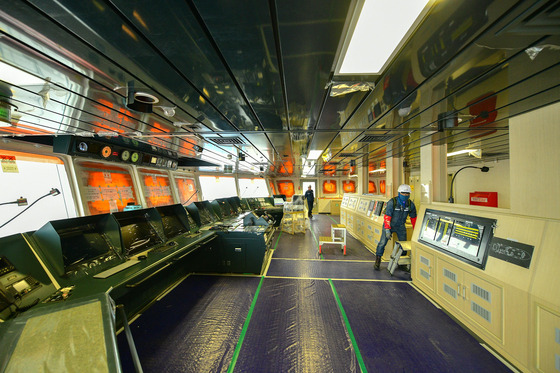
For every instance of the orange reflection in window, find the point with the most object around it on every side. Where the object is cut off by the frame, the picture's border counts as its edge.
(286, 187)
(349, 186)
(329, 169)
(329, 187)
(157, 190)
(187, 190)
(107, 189)
(382, 186)
(287, 167)
(371, 187)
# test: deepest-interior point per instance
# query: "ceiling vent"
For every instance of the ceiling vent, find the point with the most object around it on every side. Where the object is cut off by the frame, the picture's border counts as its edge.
(226, 140)
(376, 138)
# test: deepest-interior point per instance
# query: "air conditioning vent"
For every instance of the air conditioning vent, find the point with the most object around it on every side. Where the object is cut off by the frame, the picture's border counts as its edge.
(376, 138)
(226, 140)
(424, 260)
(481, 311)
(481, 292)
(424, 274)
(450, 275)
(449, 290)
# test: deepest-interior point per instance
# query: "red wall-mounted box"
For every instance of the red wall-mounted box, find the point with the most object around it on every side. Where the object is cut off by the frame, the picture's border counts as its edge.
(489, 199)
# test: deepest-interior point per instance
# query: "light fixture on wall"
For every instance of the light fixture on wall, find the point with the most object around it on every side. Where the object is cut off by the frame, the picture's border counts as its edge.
(483, 169)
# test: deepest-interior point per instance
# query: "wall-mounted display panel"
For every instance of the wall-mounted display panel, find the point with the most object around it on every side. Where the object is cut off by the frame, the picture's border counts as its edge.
(464, 237)
(352, 203)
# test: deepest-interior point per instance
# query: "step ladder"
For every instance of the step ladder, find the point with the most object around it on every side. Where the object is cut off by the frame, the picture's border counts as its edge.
(396, 255)
(338, 236)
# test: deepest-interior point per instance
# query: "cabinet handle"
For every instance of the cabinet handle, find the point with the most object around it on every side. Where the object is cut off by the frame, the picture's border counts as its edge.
(464, 292)
(459, 289)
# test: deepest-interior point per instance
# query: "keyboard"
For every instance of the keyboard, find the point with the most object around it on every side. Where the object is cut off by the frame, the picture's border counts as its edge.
(116, 269)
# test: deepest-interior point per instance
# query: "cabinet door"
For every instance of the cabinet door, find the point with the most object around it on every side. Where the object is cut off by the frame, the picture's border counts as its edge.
(483, 303)
(424, 268)
(342, 217)
(449, 284)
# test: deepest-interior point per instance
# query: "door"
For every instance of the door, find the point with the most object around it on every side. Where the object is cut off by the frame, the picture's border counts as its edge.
(313, 184)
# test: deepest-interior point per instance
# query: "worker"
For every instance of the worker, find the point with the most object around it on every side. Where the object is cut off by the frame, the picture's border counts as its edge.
(396, 212)
(310, 199)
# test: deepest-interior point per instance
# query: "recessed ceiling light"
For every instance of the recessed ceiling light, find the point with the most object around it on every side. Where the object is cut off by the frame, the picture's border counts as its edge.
(314, 154)
(382, 29)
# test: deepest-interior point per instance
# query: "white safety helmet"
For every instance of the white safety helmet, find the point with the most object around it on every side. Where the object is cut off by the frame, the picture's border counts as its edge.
(404, 188)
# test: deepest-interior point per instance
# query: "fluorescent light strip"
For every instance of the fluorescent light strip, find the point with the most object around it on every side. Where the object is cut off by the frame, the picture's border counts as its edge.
(381, 30)
(378, 170)
(314, 154)
(462, 152)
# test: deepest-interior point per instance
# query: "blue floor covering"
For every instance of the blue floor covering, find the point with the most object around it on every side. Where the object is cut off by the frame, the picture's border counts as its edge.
(398, 330)
(296, 327)
(332, 269)
(296, 324)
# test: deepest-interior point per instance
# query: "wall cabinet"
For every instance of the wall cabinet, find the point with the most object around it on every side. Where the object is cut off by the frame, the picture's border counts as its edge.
(476, 298)
(424, 268)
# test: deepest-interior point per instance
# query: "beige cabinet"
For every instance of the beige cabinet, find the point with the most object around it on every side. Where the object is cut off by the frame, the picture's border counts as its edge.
(424, 268)
(476, 298)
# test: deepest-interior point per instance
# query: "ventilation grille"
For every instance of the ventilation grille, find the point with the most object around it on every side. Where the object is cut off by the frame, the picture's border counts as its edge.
(557, 335)
(450, 275)
(376, 138)
(481, 311)
(226, 140)
(484, 294)
(424, 260)
(449, 290)
(424, 274)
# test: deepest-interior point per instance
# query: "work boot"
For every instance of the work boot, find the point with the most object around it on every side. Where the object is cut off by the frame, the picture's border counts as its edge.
(377, 262)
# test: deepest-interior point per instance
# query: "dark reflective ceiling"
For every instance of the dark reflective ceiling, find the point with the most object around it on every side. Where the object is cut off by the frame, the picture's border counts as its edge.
(257, 77)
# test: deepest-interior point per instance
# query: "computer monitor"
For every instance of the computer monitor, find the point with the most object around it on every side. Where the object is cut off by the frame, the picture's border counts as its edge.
(138, 231)
(174, 219)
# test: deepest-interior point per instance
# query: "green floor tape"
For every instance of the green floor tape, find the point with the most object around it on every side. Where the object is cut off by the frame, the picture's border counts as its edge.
(347, 323)
(333, 220)
(277, 241)
(244, 330)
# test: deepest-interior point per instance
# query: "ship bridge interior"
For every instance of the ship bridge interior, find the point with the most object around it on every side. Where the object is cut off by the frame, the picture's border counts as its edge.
(178, 139)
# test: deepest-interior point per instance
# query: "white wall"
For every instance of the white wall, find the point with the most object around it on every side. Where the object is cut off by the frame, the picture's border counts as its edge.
(471, 180)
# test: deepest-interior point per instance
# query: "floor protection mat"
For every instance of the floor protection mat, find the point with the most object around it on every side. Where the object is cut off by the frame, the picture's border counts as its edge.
(333, 269)
(296, 326)
(194, 328)
(398, 330)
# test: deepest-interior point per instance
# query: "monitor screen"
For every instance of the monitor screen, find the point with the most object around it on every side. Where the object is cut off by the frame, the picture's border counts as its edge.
(235, 204)
(466, 237)
(278, 202)
(137, 233)
(205, 215)
(83, 243)
(463, 236)
(172, 225)
(225, 208)
(378, 209)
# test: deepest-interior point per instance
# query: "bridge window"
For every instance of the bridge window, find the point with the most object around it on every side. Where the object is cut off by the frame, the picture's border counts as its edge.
(252, 188)
(187, 189)
(105, 188)
(214, 187)
(33, 176)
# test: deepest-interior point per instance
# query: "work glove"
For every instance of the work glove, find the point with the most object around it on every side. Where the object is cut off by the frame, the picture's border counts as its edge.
(387, 233)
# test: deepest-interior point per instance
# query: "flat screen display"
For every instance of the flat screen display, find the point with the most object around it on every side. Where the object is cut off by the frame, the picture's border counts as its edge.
(83, 243)
(463, 236)
(205, 216)
(172, 225)
(137, 233)
(378, 210)
(370, 208)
